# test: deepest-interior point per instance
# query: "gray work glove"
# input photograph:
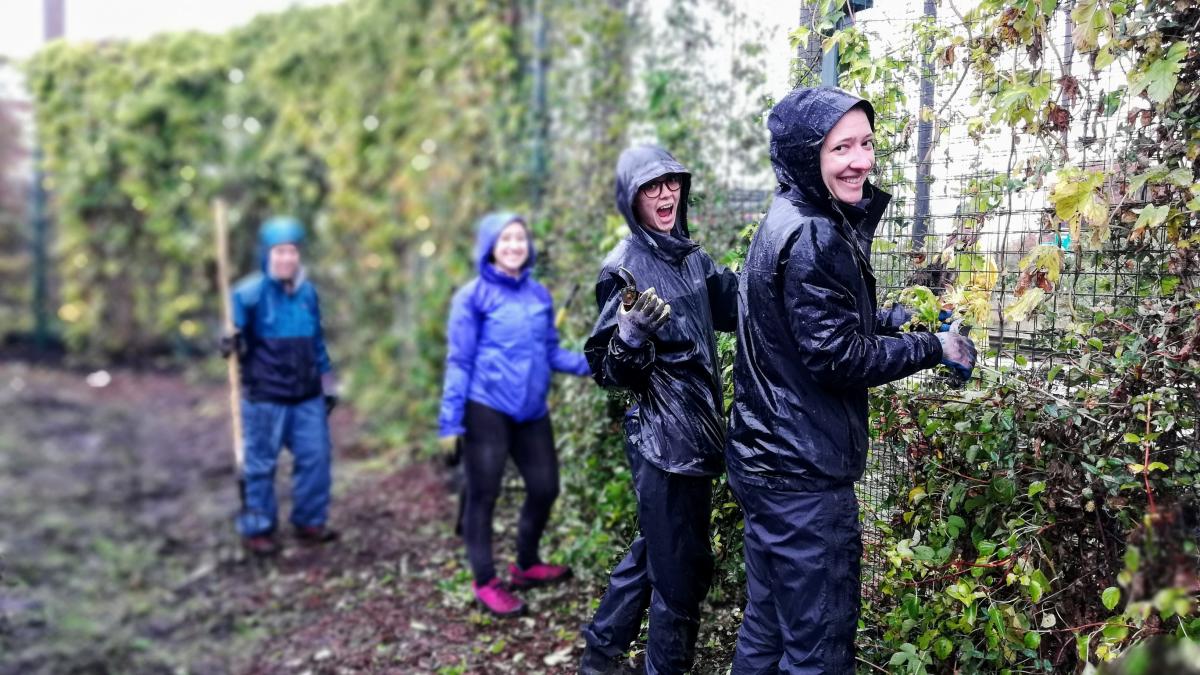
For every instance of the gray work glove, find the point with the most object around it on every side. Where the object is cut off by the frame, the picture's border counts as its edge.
(643, 320)
(958, 352)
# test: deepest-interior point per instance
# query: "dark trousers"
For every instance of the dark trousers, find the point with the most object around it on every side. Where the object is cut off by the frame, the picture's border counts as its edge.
(803, 555)
(490, 439)
(668, 570)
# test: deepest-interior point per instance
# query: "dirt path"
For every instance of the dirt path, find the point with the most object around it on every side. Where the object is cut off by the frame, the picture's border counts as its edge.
(117, 552)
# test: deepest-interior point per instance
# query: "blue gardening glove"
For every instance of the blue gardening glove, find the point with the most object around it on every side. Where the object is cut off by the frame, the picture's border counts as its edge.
(958, 352)
(944, 317)
(643, 320)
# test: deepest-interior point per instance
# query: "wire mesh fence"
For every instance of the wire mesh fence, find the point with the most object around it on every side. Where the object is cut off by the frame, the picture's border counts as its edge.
(988, 196)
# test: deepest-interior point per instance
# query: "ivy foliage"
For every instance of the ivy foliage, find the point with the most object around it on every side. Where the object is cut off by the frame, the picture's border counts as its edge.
(1044, 519)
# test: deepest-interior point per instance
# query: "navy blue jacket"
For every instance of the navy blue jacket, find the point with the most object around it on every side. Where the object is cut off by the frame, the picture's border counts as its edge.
(678, 423)
(502, 343)
(810, 336)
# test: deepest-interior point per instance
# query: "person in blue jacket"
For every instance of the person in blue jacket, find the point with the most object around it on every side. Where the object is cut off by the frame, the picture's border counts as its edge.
(288, 389)
(811, 341)
(503, 348)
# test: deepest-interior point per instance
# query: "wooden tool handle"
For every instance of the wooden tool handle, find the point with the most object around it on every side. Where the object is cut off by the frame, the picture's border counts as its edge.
(220, 225)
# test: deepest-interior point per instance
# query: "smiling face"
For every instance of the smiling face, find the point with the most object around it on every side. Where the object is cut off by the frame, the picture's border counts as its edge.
(283, 262)
(657, 203)
(511, 251)
(847, 156)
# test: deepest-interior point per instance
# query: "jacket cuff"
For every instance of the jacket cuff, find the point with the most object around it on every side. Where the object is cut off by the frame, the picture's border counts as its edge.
(935, 350)
(624, 352)
(449, 430)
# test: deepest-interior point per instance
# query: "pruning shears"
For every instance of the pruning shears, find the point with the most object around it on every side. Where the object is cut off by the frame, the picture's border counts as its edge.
(630, 292)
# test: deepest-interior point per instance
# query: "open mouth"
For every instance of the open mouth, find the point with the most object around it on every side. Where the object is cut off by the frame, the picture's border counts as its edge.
(665, 213)
(852, 181)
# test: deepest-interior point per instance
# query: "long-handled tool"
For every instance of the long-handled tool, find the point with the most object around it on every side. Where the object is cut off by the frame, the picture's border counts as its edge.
(221, 227)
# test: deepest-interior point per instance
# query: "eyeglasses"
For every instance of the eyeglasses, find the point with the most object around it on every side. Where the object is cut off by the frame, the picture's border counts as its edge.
(654, 187)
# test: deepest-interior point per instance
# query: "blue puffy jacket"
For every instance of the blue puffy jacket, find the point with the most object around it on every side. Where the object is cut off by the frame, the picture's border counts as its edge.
(281, 327)
(503, 345)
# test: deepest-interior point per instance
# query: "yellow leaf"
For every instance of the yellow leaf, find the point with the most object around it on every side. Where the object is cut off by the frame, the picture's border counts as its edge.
(1021, 309)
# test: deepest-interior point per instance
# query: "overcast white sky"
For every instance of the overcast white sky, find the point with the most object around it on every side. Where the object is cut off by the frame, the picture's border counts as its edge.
(21, 20)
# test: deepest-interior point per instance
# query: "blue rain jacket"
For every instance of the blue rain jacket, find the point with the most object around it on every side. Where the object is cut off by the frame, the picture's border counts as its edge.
(502, 343)
(281, 326)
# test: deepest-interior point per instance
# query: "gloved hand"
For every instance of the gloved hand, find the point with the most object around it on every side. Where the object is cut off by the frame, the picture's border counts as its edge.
(944, 322)
(231, 344)
(958, 352)
(449, 446)
(643, 320)
(896, 316)
(329, 387)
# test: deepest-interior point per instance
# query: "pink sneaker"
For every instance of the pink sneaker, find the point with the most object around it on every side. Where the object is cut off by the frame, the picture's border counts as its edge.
(540, 574)
(496, 598)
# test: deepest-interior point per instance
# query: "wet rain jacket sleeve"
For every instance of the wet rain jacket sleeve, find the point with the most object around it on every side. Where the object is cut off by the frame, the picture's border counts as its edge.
(564, 360)
(614, 363)
(827, 329)
(462, 336)
(324, 364)
(722, 296)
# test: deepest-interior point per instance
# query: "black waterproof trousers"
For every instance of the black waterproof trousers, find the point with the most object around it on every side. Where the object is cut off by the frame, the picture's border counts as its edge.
(803, 555)
(668, 570)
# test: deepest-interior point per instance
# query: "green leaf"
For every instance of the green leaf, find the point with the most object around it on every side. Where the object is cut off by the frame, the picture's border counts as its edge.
(1077, 199)
(942, 648)
(1159, 78)
(1110, 597)
(1036, 487)
(1039, 585)
(1132, 438)
(1150, 217)
(1091, 17)
(955, 524)
(1033, 639)
(1116, 632)
(1082, 641)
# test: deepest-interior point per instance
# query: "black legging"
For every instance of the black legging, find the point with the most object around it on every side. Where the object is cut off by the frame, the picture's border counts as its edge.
(491, 437)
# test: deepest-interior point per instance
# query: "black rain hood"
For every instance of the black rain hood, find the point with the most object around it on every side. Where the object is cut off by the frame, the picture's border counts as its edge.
(799, 124)
(636, 167)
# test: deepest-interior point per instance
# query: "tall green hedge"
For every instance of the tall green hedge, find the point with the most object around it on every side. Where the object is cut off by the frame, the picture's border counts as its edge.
(389, 127)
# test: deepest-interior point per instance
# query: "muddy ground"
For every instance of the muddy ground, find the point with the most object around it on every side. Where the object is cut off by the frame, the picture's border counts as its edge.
(117, 551)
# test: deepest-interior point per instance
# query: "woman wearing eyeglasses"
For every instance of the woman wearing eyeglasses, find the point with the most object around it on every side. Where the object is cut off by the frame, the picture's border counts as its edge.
(661, 348)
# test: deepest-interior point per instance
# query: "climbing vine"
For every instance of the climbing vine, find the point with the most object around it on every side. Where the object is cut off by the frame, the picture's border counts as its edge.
(1044, 519)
